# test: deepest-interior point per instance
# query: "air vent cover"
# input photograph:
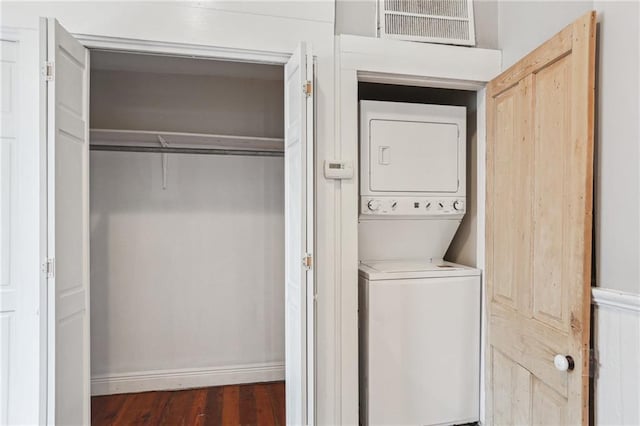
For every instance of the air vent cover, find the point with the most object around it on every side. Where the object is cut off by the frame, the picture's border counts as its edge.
(433, 21)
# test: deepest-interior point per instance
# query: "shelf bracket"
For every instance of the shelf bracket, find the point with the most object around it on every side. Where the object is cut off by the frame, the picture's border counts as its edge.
(165, 161)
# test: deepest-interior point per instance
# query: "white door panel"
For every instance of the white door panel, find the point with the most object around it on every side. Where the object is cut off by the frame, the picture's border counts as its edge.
(68, 237)
(299, 305)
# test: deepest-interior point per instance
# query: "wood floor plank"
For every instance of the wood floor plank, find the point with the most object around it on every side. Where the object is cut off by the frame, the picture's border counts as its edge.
(278, 401)
(156, 411)
(264, 407)
(105, 409)
(178, 408)
(213, 412)
(231, 406)
(254, 404)
(197, 414)
(138, 409)
(247, 405)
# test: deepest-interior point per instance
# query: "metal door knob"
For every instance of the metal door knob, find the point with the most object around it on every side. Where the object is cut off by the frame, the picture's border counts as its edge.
(564, 362)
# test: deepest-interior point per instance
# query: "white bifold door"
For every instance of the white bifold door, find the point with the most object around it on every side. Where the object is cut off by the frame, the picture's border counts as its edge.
(67, 75)
(299, 290)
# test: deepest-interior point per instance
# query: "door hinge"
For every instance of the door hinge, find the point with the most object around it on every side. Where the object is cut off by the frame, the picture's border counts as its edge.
(308, 88)
(48, 267)
(307, 261)
(48, 71)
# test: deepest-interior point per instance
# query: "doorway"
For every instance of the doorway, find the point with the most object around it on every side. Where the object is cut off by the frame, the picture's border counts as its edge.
(69, 138)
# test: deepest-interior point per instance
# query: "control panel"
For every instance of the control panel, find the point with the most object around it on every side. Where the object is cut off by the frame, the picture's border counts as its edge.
(412, 206)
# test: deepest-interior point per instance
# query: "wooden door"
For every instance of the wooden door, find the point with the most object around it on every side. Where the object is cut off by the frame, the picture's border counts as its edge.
(67, 227)
(540, 116)
(299, 288)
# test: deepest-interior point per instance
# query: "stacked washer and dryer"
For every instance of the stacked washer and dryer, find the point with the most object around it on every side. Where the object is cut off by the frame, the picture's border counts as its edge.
(419, 315)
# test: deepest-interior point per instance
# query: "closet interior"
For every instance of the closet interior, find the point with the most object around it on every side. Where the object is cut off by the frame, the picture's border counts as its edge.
(187, 222)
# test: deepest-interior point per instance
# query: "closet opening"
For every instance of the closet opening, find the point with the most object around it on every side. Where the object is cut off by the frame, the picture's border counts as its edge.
(419, 286)
(187, 239)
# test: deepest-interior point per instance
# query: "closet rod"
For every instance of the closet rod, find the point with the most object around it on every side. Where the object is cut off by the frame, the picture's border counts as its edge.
(169, 150)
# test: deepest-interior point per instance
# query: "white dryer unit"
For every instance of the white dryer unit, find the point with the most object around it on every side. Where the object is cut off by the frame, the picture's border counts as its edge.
(412, 159)
(419, 343)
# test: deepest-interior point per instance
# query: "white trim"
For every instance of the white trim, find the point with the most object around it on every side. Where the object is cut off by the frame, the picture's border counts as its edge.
(434, 61)
(181, 49)
(604, 297)
(141, 381)
(412, 80)
(481, 193)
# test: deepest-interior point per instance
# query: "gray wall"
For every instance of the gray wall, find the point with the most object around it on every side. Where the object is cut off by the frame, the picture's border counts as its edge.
(358, 17)
(523, 26)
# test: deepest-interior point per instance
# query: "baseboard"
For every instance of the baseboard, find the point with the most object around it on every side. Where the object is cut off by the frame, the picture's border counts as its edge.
(604, 297)
(141, 381)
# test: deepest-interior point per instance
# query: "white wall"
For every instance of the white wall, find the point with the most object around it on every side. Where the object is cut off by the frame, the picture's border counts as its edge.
(191, 277)
(358, 17)
(617, 350)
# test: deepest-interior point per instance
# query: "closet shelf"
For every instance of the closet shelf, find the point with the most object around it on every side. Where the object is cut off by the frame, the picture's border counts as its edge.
(150, 141)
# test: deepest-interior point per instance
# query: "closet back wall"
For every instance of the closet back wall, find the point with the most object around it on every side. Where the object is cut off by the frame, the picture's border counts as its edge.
(186, 282)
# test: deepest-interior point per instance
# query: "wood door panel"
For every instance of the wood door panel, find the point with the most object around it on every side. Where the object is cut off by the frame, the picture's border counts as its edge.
(538, 231)
(511, 177)
(554, 48)
(512, 383)
(533, 344)
(552, 230)
(549, 408)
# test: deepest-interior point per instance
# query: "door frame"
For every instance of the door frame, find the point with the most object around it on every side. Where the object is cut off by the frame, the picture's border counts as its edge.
(417, 64)
(98, 42)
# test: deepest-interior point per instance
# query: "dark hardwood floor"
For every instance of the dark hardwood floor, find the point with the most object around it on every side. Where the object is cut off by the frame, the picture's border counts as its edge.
(252, 404)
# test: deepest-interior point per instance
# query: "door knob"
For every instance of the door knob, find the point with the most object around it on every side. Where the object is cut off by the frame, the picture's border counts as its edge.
(564, 362)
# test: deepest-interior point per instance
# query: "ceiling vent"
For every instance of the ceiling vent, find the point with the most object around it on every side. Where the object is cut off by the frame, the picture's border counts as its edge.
(431, 21)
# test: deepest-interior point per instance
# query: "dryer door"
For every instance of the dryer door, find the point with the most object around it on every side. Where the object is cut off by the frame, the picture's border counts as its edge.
(412, 156)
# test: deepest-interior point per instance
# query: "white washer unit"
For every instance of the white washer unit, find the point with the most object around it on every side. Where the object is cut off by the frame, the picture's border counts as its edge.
(419, 343)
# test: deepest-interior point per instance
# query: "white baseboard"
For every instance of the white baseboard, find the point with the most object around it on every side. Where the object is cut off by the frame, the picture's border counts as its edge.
(141, 381)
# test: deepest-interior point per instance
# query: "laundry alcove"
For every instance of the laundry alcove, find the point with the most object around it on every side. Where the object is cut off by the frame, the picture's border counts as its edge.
(187, 222)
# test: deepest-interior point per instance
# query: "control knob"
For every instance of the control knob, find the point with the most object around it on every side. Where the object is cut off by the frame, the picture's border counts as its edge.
(458, 205)
(374, 205)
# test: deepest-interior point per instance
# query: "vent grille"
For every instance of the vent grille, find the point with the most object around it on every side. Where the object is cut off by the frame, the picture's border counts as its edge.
(435, 21)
